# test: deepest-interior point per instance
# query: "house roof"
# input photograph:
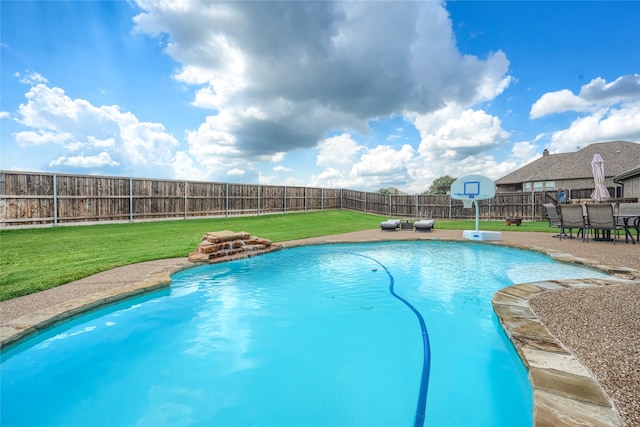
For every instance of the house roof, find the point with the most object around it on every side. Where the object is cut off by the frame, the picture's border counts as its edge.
(628, 174)
(618, 156)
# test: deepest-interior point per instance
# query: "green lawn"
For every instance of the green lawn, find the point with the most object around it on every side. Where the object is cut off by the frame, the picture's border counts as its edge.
(36, 259)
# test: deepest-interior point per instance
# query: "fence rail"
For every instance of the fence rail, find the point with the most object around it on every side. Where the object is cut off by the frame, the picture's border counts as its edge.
(33, 198)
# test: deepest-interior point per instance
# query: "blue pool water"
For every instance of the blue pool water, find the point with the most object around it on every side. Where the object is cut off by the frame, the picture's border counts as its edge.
(305, 336)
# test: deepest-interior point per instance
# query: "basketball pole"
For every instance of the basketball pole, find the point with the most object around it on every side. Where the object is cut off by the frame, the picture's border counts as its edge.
(477, 216)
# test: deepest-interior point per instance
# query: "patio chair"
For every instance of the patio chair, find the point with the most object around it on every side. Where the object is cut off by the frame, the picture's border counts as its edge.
(629, 218)
(390, 224)
(629, 209)
(571, 216)
(553, 217)
(600, 218)
(424, 225)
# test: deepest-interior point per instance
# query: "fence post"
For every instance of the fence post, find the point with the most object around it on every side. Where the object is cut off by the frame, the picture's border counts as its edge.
(226, 207)
(322, 199)
(185, 200)
(55, 200)
(285, 199)
(130, 200)
(258, 199)
(533, 206)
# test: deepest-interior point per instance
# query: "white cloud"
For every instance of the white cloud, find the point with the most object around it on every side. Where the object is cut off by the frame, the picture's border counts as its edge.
(334, 178)
(606, 112)
(384, 164)
(31, 78)
(459, 133)
(347, 164)
(91, 142)
(338, 150)
(184, 167)
(336, 155)
(557, 102)
(214, 146)
(456, 142)
(523, 152)
(624, 88)
(31, 138)
(606, 124)
(593, 96)
(144, 143)
(77, 125)
(281, 168)
(100, 160)
(236, 171)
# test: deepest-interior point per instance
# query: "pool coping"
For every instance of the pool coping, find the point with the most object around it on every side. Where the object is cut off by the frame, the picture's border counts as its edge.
(565, 393)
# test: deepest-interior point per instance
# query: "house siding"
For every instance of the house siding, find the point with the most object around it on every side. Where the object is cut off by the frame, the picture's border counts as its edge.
(632, 187)
(566, 184)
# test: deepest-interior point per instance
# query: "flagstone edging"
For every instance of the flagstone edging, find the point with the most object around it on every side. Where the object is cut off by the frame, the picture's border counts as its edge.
(564, 391)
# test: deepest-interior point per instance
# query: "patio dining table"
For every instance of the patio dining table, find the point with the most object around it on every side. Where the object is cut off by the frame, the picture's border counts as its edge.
(625, 220)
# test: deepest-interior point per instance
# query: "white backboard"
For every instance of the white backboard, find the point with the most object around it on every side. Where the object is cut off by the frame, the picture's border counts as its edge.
(473, 187)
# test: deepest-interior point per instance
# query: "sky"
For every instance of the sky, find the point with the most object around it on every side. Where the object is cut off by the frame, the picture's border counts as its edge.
(361, 95)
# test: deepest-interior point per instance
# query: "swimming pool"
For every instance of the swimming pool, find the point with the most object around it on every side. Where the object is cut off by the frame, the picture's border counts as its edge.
(305, 336)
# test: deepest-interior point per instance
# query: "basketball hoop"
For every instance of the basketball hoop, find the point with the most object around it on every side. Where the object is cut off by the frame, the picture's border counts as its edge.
(472, 188)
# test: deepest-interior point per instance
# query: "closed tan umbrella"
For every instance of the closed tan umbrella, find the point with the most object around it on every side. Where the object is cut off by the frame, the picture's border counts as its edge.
(600, 193)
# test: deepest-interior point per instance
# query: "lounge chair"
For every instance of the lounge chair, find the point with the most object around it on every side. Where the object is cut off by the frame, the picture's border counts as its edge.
(600, 218)
(554, 217)
(424, 225)
(571, 217)
(390, 224)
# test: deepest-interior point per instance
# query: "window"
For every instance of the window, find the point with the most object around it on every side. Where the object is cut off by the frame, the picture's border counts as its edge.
(526, 186)
(537, 186)
(550, 185)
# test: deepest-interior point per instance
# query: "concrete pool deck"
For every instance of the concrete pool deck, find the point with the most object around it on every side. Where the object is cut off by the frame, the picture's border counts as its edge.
(579, 339)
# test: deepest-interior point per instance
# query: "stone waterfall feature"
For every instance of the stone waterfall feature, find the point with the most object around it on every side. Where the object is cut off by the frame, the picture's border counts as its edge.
(226, 245)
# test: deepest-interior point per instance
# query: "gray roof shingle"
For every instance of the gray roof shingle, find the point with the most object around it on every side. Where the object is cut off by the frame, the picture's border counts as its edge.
(627, 174)
(618, 156)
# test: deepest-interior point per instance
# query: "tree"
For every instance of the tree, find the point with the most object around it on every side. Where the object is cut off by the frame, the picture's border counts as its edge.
(390, 190)
(441, 185)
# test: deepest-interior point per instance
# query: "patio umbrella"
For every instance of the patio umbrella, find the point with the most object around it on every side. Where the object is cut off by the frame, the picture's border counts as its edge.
(600, 192)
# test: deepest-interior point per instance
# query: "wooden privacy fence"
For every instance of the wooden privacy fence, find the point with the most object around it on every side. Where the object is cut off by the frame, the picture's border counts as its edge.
(36, 198)
(441, 206)
(32, 198)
